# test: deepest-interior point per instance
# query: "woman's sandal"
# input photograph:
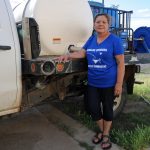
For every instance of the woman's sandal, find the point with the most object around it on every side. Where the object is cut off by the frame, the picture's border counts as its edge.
(106, 142)
(97, 138)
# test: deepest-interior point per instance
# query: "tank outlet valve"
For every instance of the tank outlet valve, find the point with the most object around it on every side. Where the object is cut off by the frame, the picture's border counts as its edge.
(72, 48)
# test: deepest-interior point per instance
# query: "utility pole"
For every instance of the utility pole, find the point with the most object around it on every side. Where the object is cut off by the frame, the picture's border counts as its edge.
(103, 2)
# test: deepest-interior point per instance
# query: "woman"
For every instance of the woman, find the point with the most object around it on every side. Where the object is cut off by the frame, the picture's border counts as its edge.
(105, 56)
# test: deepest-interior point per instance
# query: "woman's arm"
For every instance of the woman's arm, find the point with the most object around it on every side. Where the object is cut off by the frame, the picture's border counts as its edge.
(78, 54)
(120, 74)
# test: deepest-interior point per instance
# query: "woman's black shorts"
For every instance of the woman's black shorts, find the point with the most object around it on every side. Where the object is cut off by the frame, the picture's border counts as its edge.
(99, 102)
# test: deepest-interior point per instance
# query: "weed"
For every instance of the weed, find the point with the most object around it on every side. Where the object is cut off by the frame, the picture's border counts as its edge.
(143, 89)
(128, 130)
(136, 139)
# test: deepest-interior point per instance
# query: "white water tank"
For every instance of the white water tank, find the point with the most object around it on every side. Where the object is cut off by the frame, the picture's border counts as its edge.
(61, 23)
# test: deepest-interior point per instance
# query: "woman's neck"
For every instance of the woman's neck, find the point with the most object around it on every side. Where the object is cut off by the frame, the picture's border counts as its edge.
(103, 35)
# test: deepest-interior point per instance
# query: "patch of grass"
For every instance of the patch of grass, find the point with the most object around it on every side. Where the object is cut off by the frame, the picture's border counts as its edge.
(85, 119)
(136, 139)
(132, 130)
(143, 89)
(131, 120)
(128, 130)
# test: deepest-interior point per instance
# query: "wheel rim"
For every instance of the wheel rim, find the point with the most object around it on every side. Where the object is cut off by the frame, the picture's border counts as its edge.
(117, 102)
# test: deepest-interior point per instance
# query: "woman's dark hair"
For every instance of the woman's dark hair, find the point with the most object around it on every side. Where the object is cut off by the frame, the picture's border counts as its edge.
(103, 14)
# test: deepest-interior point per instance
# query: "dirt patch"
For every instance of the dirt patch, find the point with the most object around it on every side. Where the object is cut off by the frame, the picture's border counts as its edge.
(73, 104)
(136, 106)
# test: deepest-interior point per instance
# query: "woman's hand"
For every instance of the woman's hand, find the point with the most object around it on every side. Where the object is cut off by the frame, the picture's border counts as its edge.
(118, 89)
(66, 57)
(63, 58)
(120, 74)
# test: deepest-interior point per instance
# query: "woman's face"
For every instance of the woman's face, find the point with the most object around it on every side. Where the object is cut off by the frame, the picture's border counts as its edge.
(101, 24)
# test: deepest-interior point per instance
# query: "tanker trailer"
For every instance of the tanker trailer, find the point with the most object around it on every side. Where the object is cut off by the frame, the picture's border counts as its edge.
(48, 29)
(60, 23)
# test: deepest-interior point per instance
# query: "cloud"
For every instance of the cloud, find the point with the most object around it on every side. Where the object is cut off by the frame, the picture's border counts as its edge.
(140, 18)
(139, 22)
(143, 13)
(146, 10)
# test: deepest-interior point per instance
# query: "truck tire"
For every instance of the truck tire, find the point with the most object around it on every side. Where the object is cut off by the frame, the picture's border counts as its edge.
(119, 102)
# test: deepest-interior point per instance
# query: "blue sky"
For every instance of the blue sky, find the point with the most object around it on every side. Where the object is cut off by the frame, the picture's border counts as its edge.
(141, 10)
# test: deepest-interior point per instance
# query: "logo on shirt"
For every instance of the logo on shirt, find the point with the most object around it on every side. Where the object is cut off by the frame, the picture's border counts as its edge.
(95, 57)
(96, 60)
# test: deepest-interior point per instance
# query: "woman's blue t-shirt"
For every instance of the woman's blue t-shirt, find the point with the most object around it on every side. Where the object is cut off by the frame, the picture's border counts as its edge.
(102, 66)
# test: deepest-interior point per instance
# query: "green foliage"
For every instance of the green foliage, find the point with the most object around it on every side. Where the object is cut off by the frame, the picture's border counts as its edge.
(87, 121)
(128, 130)
(143, 89)
(136, 139)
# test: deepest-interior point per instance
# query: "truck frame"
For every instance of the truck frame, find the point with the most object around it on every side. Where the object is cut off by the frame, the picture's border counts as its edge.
(30, 81)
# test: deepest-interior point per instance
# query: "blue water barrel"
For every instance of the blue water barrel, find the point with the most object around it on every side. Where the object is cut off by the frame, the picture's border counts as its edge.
(142, 46)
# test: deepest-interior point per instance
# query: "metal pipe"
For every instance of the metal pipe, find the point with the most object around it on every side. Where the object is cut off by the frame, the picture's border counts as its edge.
(73, 48)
